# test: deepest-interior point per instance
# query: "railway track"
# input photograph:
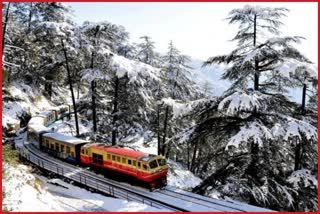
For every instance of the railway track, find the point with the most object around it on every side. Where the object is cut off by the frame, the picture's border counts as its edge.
(169, 198)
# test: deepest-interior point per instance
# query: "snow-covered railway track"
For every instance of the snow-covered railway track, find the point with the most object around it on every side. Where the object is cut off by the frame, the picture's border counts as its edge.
(169, 198)
(91, 180)
(223, 205)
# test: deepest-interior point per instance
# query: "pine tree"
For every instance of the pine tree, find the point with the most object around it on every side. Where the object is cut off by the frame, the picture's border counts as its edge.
(146, 51)
(247, 126)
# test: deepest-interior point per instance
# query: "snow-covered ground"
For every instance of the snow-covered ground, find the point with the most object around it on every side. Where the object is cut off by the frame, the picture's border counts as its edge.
(26, 191)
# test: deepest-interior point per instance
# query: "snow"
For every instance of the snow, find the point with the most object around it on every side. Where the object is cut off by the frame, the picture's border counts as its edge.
(58, 29)
(93, 74)
(180, 177)
(212, 74)
(250, 56)
(39, 194)
(240, 101)
(65, 138)
(303, 177)
(179, 108)
(27, 100)
(290, 67)
(67, 127)
(286, 131)
(254, 131)
(296, 128)
(125, 67)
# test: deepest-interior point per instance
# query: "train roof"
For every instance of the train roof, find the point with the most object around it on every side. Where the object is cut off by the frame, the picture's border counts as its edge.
(35, 120)
(38, 128)
(119, 150)
(59, 107)
(44, 114)
(65, 138)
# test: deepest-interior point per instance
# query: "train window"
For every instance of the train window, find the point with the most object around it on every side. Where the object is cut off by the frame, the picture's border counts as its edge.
(145, 167)
(57, 146)
(68, 149)
(162, 162)
(72, 154)
(129, 162)
(113, 157)
(124, 160)
(62, 148)
(118, 159)
(134, 163)
(153, 164)
(47, 144)
(86, 151)
(52, 146)
(82, 151)
(108, 156)
(139, 164)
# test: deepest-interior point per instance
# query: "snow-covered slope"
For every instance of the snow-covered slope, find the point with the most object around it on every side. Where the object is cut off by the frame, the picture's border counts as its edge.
(27, 192)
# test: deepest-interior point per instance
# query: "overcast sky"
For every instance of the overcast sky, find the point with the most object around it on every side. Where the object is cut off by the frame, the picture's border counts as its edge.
(197, 29)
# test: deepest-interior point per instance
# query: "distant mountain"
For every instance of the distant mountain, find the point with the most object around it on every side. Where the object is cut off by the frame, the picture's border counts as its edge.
(213, 74)
(210, 74)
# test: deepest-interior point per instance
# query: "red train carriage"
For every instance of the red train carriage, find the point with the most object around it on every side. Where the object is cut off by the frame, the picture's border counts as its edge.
(151, 169)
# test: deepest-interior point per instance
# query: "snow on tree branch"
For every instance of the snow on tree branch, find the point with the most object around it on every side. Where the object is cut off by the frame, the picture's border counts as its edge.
(254, 131)
(93, 74)
(133, 69)
(242, 101)
(302, 177)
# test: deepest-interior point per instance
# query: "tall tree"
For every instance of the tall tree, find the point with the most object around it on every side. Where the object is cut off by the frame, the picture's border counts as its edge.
(253, 56)
(242, 127)
(146, 52)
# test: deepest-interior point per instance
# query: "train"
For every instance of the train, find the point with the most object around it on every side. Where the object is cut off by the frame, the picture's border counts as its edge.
(147, 169)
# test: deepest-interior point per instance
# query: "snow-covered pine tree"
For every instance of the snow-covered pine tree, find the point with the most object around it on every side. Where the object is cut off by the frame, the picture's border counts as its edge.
(178, 87)
(246, 131)
(146, 51)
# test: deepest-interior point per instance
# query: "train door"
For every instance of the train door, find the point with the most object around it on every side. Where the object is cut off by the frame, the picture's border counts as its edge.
(78, 151)
(97, 159)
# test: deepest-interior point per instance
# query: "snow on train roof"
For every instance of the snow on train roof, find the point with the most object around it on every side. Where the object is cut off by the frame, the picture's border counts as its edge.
(65, 138)
(38, 127)
(35, 120)
(119, 150)
(44, 114)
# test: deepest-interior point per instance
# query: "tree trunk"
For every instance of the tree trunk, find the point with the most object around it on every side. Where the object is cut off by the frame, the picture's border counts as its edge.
(165, 130)
(115, 112)
(93, 85)
(297, 158)
(5, 27)
(30, 18)
(303, 105)
(188, 155)
(256, 63)
(194, 156)
(78, 90)
(71, 88)
(158, 129)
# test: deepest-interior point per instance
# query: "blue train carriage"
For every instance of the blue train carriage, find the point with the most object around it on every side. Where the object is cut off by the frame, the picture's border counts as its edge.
(34, 133)
(61, 146)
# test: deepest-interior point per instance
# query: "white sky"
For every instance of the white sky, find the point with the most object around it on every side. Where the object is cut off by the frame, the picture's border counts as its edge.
(197, 29)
